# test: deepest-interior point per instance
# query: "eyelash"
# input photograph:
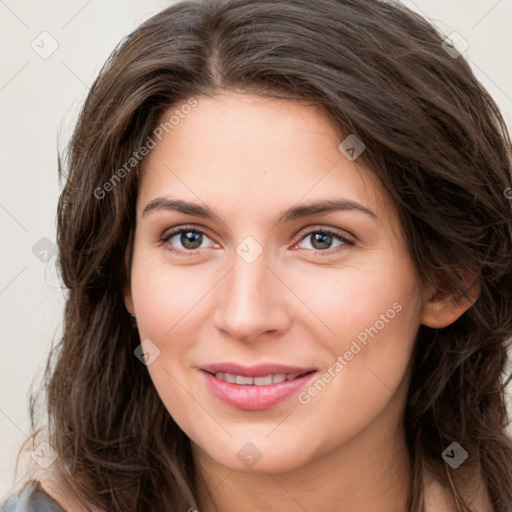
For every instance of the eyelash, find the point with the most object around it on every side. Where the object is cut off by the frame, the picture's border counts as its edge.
(346, 241)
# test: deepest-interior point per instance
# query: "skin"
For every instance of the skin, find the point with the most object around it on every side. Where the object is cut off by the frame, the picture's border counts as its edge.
(248, 158)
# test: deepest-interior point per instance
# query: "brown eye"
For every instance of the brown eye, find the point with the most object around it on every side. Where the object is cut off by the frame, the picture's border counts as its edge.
(185, 240)
(322, 240)
(191, 239)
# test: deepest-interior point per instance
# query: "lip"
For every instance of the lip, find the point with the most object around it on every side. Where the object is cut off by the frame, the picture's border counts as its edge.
(258, 370)
(252, 397)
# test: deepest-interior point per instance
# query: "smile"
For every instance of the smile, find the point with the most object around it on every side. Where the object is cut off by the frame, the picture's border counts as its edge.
(256, 381)
(255, 393)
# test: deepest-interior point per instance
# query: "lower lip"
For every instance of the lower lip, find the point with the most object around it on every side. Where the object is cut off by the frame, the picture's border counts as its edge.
(251, 397)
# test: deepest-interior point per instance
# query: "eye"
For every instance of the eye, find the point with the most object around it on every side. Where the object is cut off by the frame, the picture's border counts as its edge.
(322, 239)
(190, 239)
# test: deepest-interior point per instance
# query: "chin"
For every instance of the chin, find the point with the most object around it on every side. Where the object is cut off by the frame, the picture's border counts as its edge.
(251, 457)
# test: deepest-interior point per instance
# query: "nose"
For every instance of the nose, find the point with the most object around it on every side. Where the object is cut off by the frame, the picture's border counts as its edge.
(251, 301)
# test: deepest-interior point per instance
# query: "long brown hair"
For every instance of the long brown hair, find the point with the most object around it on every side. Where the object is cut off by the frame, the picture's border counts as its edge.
(434, 139)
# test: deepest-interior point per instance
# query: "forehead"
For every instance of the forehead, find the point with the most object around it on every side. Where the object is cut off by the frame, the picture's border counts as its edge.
(253, 154)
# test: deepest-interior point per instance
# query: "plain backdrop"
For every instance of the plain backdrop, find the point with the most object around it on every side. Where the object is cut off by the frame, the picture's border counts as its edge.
(50, 54)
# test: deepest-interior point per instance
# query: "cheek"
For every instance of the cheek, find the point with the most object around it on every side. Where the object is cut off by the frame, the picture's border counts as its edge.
(351, 299)
(375, 320)
(167, 302)
(166, 296)
(369, 316)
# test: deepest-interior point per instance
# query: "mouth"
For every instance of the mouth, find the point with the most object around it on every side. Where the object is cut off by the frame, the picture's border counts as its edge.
(255, 371)
(266, 380)
(268, 386)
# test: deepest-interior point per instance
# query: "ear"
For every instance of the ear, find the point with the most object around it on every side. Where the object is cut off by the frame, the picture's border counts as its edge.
(126, 276)
(127, 293)
(128, 302)
(443, 308)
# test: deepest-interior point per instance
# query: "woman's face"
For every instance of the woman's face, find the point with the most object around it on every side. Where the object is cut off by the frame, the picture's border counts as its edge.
(300, 262)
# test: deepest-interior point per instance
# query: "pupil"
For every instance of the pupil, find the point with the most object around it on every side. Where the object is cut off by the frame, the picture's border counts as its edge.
(322, 238)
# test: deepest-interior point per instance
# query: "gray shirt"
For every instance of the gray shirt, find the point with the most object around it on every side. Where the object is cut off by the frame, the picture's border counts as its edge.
(31, 499)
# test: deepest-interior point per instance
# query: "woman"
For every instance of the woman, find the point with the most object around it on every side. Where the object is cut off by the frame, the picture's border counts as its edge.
(286, 237)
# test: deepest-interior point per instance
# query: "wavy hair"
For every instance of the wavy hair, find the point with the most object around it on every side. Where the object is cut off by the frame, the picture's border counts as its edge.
(436, 142)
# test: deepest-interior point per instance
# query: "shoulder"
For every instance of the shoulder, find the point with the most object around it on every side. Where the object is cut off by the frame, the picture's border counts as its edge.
(438, 498)
(47, 493)
(32, 498)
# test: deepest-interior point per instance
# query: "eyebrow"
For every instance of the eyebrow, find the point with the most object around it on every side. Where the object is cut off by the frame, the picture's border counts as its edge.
(293, 213)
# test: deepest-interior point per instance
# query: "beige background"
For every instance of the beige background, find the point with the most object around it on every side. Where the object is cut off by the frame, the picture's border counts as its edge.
(39, 101)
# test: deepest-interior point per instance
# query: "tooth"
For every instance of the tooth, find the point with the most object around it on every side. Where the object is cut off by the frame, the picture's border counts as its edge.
(256, 381)
(263, 381)
(243, 380)
(229, 377)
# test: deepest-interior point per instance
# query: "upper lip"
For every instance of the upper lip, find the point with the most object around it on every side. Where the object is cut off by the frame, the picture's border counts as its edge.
(258, 370)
